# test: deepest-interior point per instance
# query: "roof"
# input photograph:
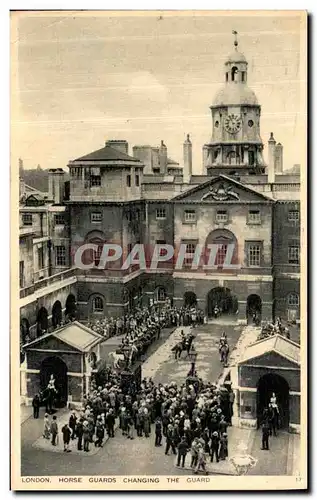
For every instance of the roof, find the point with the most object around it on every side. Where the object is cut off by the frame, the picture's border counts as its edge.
(212, 180)
(236, 57)
(278, 344)
(235, 93)
(171, 162)
(107, 153)
(74, 334)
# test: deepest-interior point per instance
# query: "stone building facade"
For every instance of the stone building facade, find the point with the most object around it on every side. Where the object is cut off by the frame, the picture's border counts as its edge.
(147, 198)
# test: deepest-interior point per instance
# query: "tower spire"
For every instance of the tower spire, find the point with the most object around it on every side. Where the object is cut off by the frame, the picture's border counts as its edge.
(235, 43)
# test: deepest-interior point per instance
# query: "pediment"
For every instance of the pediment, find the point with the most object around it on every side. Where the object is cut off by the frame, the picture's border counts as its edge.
(271, 359)
(221, 189)
(49, 344)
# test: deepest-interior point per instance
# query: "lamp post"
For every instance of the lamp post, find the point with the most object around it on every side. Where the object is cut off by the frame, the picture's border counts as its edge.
(243, 462)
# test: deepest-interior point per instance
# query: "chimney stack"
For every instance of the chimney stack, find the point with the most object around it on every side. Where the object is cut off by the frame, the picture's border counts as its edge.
(188, 160)
(163, 158)
(271, 159)
(56, 185)
(279, 158)
(119, 145)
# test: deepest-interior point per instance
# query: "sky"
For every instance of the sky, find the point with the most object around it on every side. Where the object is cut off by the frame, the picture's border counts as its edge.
(80, 80)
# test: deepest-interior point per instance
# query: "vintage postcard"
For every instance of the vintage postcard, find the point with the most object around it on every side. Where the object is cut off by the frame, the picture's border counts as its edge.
(158, 327)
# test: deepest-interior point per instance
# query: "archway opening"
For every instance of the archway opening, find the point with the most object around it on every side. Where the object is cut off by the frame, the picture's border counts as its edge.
(190, 299)
(254, 308)
(55, 366)
(267, 385)
(57, 315)
(70, 308)
(222, 299)
(42, 321)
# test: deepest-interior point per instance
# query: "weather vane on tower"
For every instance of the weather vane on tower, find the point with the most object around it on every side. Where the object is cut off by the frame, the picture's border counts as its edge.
(235, 33)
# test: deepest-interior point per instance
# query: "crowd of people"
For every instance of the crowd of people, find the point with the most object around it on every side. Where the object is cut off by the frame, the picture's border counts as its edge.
(270, 329)
(191, 418)
(165, 314)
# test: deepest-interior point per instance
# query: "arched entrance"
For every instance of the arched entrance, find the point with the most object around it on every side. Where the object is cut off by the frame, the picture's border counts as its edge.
(70, 307)
(190, 299)
(57, 314)
(254, 306)
(267, 384)
(56, 366)
(42, 321)
(224, 299)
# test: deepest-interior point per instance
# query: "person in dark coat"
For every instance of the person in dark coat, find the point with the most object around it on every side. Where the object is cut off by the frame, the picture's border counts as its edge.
(158, 432)
(223, 451)
(72, 424)
(54, 430)
(36, 406)
(265, 435)
(67, 432)
(110, 421)
(86, 435)
(182, 451)
(100, 432)
(169, 440)
(79, 434)
(214, 447)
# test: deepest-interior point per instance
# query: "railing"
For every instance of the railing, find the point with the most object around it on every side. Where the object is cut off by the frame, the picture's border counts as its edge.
(286, 187)
(50, 280)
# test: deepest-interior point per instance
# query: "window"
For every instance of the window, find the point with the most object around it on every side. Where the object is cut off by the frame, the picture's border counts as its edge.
(40, 258)
(27, 219)
(254, 255)
(96, 217)
(293, 299)
(190, 216)
(137, 180)
(21, 267)
(242, 76)
(129, 180)
(234, 72)
(221, 255)
(250, 123)
(162, 251)
(161, 213)
(254, 217)
(190, 251)
(293, 216)
(293, 254)
(222, 216)
(60, 256)
(95, 180)
(59, 220)
(251, 157)
(97, 304)
(156, 170)
(160, 294)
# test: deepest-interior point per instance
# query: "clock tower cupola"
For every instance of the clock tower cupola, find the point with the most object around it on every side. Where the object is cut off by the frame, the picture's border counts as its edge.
(236, 146)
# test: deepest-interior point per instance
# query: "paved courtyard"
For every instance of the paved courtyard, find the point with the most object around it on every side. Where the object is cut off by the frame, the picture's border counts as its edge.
(120, 456)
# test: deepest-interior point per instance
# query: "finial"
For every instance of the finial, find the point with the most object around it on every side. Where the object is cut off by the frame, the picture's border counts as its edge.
(235, 43)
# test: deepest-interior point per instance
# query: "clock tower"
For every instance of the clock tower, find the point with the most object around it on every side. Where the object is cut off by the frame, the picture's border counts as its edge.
(236, 146)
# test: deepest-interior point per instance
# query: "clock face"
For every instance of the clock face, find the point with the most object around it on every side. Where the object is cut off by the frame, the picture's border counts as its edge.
(232, 124)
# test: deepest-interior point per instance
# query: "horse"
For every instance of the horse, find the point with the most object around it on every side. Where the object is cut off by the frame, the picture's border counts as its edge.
(184, 345)
(117, 360)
